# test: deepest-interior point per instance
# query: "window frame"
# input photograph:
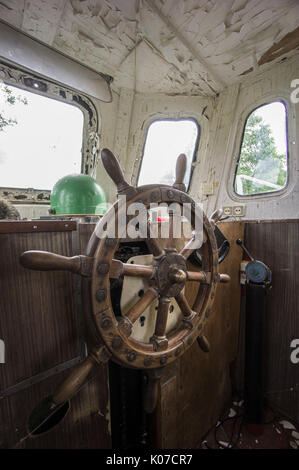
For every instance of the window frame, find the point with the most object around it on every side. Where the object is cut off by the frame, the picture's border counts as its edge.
(18, 77)
(239, 126)
(194, 156)
(240, 149)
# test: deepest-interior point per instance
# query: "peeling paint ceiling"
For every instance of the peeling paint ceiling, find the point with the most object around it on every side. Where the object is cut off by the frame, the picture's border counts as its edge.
(192, 47)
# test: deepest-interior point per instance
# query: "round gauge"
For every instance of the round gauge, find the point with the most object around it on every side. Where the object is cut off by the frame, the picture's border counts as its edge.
(257, 272)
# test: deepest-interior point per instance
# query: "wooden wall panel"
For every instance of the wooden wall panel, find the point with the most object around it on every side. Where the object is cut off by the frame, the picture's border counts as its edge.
(85, 232)
(43, 326)
(37, 315)
(276, 243)
(84, 427)
(194, 390)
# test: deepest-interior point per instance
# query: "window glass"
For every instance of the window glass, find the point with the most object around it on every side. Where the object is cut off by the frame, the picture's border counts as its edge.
(262, 165)
(40, 139)
(165, 141)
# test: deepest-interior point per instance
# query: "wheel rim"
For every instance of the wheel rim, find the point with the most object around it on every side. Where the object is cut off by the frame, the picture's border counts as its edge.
(116, 335)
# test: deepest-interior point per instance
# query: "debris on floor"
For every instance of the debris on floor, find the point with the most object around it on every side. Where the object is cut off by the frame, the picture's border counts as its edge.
(231, 432)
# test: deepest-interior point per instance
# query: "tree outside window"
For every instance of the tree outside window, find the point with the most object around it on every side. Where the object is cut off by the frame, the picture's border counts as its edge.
(262, 165)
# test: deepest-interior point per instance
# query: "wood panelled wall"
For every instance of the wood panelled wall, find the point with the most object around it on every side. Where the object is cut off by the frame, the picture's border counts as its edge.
(42, 326)
(195, 390)
(276, 243)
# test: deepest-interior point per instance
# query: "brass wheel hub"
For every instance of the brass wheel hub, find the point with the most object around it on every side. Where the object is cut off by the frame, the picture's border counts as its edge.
(171, 273)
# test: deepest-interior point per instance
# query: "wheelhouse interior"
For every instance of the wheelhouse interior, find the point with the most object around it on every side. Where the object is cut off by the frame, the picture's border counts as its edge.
(124, 339)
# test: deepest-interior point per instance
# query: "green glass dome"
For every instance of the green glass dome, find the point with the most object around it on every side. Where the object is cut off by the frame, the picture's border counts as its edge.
(77, 194)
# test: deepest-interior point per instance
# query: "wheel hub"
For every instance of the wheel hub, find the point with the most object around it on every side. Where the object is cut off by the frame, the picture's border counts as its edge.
(171, 273)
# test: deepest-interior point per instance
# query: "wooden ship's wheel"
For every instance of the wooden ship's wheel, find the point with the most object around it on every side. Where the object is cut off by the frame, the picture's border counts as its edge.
(167, 276)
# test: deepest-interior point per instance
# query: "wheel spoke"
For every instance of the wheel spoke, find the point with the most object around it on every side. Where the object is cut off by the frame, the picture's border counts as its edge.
(125, 325)
(170, 242)
(159, 340)
(119, 269)
(142, 304)
(116, 269)
(191, 246)
(184, 305)
(205, 277)
(199, 276)
(162, 315)
(224, 278)
(188, 248)
(137, 270)
(203, 343)
(153, 244)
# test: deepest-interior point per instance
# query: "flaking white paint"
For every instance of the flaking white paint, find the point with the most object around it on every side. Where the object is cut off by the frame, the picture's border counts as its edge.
(221, 120)
(204, 46)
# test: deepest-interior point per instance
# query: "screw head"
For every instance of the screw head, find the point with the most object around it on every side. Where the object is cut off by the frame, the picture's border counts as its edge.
(101, 295)
(154, 196)
(183, 198)
(103, 268)
(106, 323)
(131, 356)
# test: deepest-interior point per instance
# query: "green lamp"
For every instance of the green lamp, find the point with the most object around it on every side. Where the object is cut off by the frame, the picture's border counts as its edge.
(77, 195)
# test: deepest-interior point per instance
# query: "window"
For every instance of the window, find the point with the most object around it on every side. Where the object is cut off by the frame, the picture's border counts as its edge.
(165, 141)
(46, 131)
(40, 139)
(262, 165)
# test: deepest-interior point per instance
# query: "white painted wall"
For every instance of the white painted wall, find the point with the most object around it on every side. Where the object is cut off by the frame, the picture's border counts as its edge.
(233, 107)
(125, 123)
(33, 211)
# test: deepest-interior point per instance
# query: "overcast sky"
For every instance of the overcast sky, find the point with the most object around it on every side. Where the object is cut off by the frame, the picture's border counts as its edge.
(44, 146)
(164, 143)
(274, 115)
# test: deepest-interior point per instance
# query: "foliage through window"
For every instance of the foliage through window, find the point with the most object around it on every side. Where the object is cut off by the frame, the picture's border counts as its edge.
(262, 165)
(40, 139)
(165, 141)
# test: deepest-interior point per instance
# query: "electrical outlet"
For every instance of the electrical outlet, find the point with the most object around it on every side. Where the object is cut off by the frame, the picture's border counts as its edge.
(227, 211)
(239, 211)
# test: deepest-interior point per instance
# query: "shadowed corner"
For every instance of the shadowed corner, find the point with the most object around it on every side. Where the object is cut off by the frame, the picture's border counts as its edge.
(46, 415)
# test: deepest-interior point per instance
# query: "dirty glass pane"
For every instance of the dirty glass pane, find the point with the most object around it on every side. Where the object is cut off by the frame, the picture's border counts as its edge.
(262, 166)
(40, 139)
(165, 141)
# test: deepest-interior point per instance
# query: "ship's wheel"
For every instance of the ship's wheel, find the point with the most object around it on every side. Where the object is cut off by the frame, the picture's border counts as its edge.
(166, 277)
